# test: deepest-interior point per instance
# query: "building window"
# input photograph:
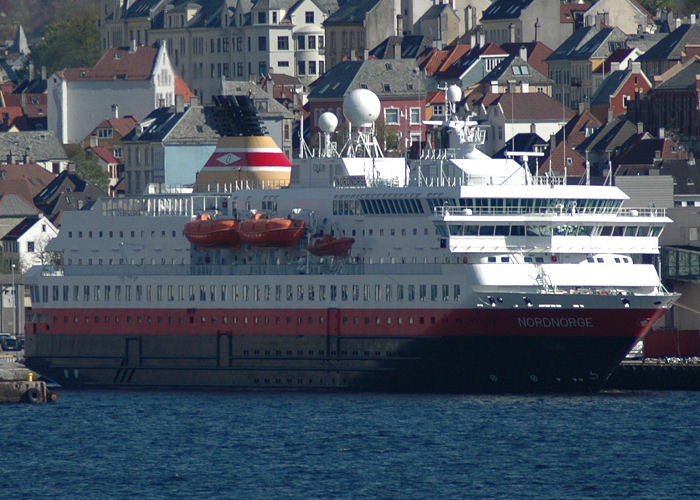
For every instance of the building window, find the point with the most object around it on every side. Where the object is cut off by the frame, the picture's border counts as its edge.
(391, 116)
(282, 43)
(415, 116)
(301, 67)
(261, 17)
(301, 42)
(312, 42)
(262, 43)
(312, 67)
(30, 246)
(309, 17)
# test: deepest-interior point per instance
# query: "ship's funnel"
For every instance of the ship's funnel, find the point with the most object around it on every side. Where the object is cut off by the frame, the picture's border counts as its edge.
(245, 162)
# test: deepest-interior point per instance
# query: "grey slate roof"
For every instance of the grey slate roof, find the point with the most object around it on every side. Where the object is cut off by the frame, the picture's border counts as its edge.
(169, 126)
(512, 68)
(571, 44)
(684, 79)
(609, 87)
(600, 45)
(41, 145)
(671, 46)
(12, 205)
(411, 46)
(142, 8)
(610, 136)
(391, 78)
(20, 228)
(236, 87)
(505, 9)
(351, 12)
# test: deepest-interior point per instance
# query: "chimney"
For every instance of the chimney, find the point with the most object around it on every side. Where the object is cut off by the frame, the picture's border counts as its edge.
(472, 40)
(581, 107)
(179, 103)
(511, 33)
(494, 86)
(115, 110)
(692, 18)
(43, 72)
(132, 47)
(662, 133)
(636, 66)
(678, 22)
(610, 114)
(93, 141)
(523, 53)
(31, 71)
(194, 101)
(482, 39)
(614, 66)
(640, 128)
(399, 17)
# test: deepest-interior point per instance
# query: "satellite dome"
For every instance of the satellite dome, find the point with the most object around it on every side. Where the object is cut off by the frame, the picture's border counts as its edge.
(328, 122)
(454, 93)
(361, 107)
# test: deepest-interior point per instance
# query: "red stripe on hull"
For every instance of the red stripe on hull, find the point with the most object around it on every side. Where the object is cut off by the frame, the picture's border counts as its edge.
(359, 322)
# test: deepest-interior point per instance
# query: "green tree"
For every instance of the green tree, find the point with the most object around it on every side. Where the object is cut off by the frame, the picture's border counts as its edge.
(88, 168)
(71, 42)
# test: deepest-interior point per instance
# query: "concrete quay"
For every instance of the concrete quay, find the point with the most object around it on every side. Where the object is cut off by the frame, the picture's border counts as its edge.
(17, 384)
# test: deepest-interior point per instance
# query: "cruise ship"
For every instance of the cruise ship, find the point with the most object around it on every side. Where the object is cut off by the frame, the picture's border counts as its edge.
(348, 270)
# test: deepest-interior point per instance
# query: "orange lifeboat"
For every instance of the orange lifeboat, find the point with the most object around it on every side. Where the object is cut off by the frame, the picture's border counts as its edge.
(328, 245)
(260, 231)
(213, 233)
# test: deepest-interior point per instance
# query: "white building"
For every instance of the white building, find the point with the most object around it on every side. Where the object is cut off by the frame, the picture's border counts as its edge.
(25, 245)
(137, 80)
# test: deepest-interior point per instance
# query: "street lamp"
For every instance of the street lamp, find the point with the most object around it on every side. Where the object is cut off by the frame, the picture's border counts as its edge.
(14, 302)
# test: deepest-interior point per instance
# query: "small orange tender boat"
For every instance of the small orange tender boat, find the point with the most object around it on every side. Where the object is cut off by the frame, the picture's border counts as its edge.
(260, 231)
(328, 245)
(213, 233)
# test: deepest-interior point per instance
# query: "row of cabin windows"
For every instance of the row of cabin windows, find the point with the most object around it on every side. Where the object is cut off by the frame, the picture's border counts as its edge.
(120, 234)
(245, 293)
(121, 260)
(243, 319)
(398, 206)
(410, 206)
(390, 232)
(527, 205)
(546, 230)
(540, 260)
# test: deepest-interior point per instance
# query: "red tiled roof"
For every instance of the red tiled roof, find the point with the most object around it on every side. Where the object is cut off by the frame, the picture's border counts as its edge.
(25, 181)
(15, 117)
(566, 11)
(532, 106)
(435, 97)
(182, 89)
(117, 63)
(105, 154)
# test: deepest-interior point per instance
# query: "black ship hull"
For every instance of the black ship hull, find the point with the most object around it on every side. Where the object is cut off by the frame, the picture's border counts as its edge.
(453, 364)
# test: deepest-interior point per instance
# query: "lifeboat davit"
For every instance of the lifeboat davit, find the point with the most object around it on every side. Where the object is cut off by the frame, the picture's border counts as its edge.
(328, 245)
(213, 233)
(260, 231)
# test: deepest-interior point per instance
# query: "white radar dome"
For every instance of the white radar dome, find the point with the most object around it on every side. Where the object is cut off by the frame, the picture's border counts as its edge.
(327, 122)
(454, 93)
(361, 107)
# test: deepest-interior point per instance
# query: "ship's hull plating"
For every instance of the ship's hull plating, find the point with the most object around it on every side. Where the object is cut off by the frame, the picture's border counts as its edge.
(550, 362)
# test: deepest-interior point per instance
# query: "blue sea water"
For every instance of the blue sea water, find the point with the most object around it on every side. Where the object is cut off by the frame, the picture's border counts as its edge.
(115, 444)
